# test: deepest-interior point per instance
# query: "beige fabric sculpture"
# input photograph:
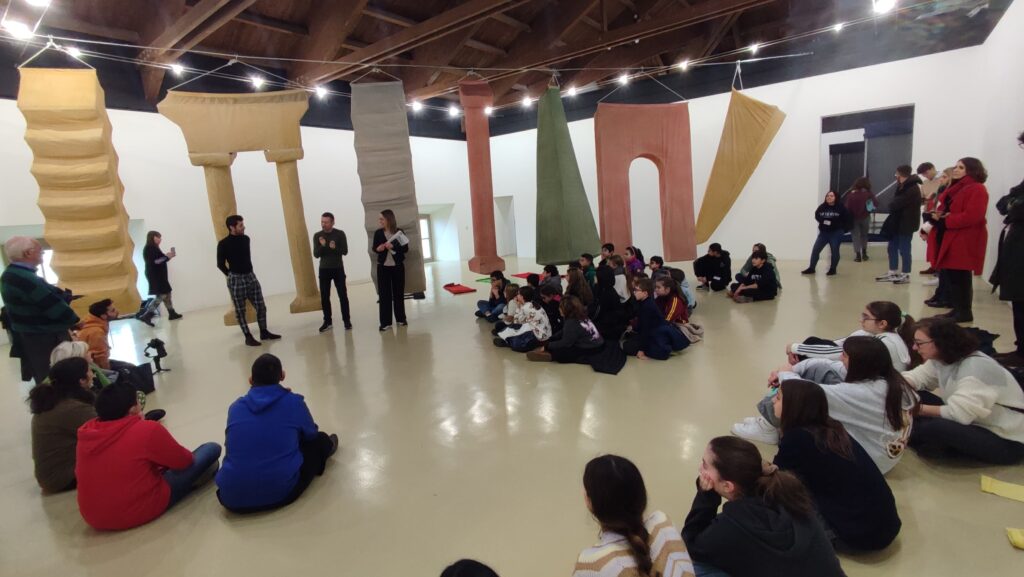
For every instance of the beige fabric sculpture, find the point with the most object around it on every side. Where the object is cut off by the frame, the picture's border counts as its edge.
(80, 193)
(216, 128)
(750, 127)
(385, 170)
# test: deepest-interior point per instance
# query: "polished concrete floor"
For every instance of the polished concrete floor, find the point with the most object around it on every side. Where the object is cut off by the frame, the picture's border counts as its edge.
(453, 448)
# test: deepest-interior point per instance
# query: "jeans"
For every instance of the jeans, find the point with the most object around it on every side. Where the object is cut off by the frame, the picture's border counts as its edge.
(860, 234)
(899, 245)
(830, 238)
(939, 437)
(183, 481)
(391, 290)
(705, 570)
(491, 313)
(337, 276)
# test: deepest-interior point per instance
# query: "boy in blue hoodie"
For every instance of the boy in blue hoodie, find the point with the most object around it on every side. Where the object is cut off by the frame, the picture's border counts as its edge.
(273, 449)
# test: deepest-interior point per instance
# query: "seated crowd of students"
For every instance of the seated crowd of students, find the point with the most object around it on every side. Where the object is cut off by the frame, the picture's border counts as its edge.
(614, 307)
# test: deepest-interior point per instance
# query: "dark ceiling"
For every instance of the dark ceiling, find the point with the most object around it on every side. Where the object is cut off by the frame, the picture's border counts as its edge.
(516, 44)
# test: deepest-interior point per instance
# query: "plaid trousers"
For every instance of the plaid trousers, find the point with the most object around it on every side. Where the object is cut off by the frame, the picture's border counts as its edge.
(247, 287)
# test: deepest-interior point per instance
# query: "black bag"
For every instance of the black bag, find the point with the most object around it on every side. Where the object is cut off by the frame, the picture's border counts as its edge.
(138, 376)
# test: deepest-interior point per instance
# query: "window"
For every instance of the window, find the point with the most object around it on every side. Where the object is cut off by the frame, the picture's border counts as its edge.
(428, 239)
(45, 271)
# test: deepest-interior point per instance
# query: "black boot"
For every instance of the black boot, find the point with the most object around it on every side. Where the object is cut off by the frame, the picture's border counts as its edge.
(173, 315)
(147, 318)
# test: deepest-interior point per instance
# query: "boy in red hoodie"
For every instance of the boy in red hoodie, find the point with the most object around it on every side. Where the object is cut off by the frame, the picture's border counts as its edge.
(129, 470)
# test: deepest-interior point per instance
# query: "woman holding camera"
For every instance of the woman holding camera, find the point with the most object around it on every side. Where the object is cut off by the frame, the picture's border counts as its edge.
(156, 275)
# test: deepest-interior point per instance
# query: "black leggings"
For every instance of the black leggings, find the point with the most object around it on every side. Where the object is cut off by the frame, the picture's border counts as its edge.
(938, 437)
(315, 453)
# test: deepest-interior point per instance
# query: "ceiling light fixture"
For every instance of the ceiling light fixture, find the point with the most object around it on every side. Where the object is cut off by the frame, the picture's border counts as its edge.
(320, 91)
(754, 48)
(257, 81)
(488, 110)
(624, 79)
(417, 106)
(19, 30)
(571, 91)
(453, 111)
(839, 27)
(684, 65)
(73, 52)
(177, 69)
(884, 6)
(527, 102)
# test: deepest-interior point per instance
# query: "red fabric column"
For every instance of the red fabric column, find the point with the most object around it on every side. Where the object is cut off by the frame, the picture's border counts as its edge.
(476, 95)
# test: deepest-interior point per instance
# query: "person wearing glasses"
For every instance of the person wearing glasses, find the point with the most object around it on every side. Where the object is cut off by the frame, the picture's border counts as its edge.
(978, 412)
(880, 319)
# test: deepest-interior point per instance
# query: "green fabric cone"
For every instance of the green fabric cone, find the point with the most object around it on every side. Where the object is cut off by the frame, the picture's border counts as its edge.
(565, 223)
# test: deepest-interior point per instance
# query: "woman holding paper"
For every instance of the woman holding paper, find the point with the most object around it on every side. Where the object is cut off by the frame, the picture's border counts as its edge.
(390, 244)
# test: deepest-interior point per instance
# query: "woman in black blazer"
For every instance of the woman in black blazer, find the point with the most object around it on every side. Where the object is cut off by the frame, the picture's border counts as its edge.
(390, 270)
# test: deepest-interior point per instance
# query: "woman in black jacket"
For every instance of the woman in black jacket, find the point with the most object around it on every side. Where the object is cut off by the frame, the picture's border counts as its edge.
(849, 491)
(1008, 275)
(387, 243)
(156, 274)
(832, 219)
(767, 527)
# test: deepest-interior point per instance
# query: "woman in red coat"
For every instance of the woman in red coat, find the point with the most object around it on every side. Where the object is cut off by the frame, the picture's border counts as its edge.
(962, 252)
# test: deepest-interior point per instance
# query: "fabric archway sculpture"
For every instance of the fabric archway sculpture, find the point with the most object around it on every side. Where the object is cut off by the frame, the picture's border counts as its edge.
(661, 134)
(217, 127)
(384, 158)
(750, 127)
(80, 192)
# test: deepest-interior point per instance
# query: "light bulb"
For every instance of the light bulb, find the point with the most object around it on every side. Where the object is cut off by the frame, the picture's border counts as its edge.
(73, 52)
(883, 6)
(417, 106)
(488, 110)
(571, 91)
(453, 111)
(38, 3)
(838, 27)
(684, 65)
(19, 30)
(320, 91)
(177, 69)
(527, 102)
(257, 81)
(754, 47)
(624, 79)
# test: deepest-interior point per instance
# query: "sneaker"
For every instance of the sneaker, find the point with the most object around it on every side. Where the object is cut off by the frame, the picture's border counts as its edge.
(902, 279)
(403, 323)
(760, 430)
(383, 328)
(807, 271)
(887, 277)
(249, 341)
(931, 282)
(325, 327)
(269, 336)
(479, 314)
(499, 342)
(334, 445)
(155, 415)
(539, 356)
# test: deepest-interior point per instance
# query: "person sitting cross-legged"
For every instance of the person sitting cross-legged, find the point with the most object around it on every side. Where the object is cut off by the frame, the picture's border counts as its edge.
(273, 447)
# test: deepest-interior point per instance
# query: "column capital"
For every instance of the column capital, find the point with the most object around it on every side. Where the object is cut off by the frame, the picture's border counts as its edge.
(475, 94)
(283, 155)
(212, 158)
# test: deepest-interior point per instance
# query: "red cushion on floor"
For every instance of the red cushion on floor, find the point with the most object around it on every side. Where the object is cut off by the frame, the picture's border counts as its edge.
(458, 289)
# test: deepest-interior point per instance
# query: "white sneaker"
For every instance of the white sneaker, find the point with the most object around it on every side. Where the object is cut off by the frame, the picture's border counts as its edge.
(931, 282)
(760, 430)
(901, 279)
(887, 277)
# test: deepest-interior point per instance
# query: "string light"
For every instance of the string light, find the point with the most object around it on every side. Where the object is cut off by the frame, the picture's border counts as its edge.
(754, 47)
(488, 110)
(571, 91)
(257, 81)
(527, 102)
(320, 91)
(838, 27)
(18, 29)
(624, 79)
(177, 69)
(453, 111)
(684, 65)
(884, 6)
(73, 52)
(417, 106)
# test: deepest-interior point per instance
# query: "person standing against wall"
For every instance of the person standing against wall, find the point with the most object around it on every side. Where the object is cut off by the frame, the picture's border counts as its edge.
(390, 244)
(156, 276)
(40, 316)
(832, 218)
(902, 223)
(330, 245)
(234, 259)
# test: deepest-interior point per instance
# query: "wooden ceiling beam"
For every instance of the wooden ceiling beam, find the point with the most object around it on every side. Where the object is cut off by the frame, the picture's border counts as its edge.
(437, 53)
(510, 21)
(211, 25)
(62, 21)
(251, 18)
(484, 47)
(330, 24)
(461, 16)
(539, 57)
(404, 22)
(169, 36)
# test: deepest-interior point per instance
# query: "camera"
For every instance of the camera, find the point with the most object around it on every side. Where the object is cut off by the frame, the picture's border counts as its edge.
(159, 352)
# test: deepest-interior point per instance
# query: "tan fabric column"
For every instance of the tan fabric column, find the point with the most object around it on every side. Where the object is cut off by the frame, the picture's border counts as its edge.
(307, 294)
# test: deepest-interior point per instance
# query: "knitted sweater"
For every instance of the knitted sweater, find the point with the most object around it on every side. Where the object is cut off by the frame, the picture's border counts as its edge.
(33, 305)
(612, 556)
(977, 391)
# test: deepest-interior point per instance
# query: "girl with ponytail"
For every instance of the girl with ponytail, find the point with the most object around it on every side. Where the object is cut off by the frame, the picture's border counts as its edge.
(617, 497)
(767, 526)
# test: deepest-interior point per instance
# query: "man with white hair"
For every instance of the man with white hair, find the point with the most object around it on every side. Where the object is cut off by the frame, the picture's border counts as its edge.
(40, 317)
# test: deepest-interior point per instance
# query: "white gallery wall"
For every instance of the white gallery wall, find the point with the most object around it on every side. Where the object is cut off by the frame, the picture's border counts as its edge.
(967, 103)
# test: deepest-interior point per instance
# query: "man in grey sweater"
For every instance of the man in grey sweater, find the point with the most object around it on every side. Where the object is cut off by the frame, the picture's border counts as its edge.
(330, 245)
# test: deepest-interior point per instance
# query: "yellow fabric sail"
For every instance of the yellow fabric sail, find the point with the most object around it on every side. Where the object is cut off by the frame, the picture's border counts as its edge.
(750, 127)
(80, 192)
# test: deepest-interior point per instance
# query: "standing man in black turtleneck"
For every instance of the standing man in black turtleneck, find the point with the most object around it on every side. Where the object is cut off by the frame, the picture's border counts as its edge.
(234, 259)
(330, 245)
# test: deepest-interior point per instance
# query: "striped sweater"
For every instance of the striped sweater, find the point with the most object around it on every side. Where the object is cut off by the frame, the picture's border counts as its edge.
(34, 305)
(612, 557)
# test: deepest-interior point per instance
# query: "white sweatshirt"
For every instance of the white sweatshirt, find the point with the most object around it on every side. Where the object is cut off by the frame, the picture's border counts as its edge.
(894, 342)
(977, 391)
